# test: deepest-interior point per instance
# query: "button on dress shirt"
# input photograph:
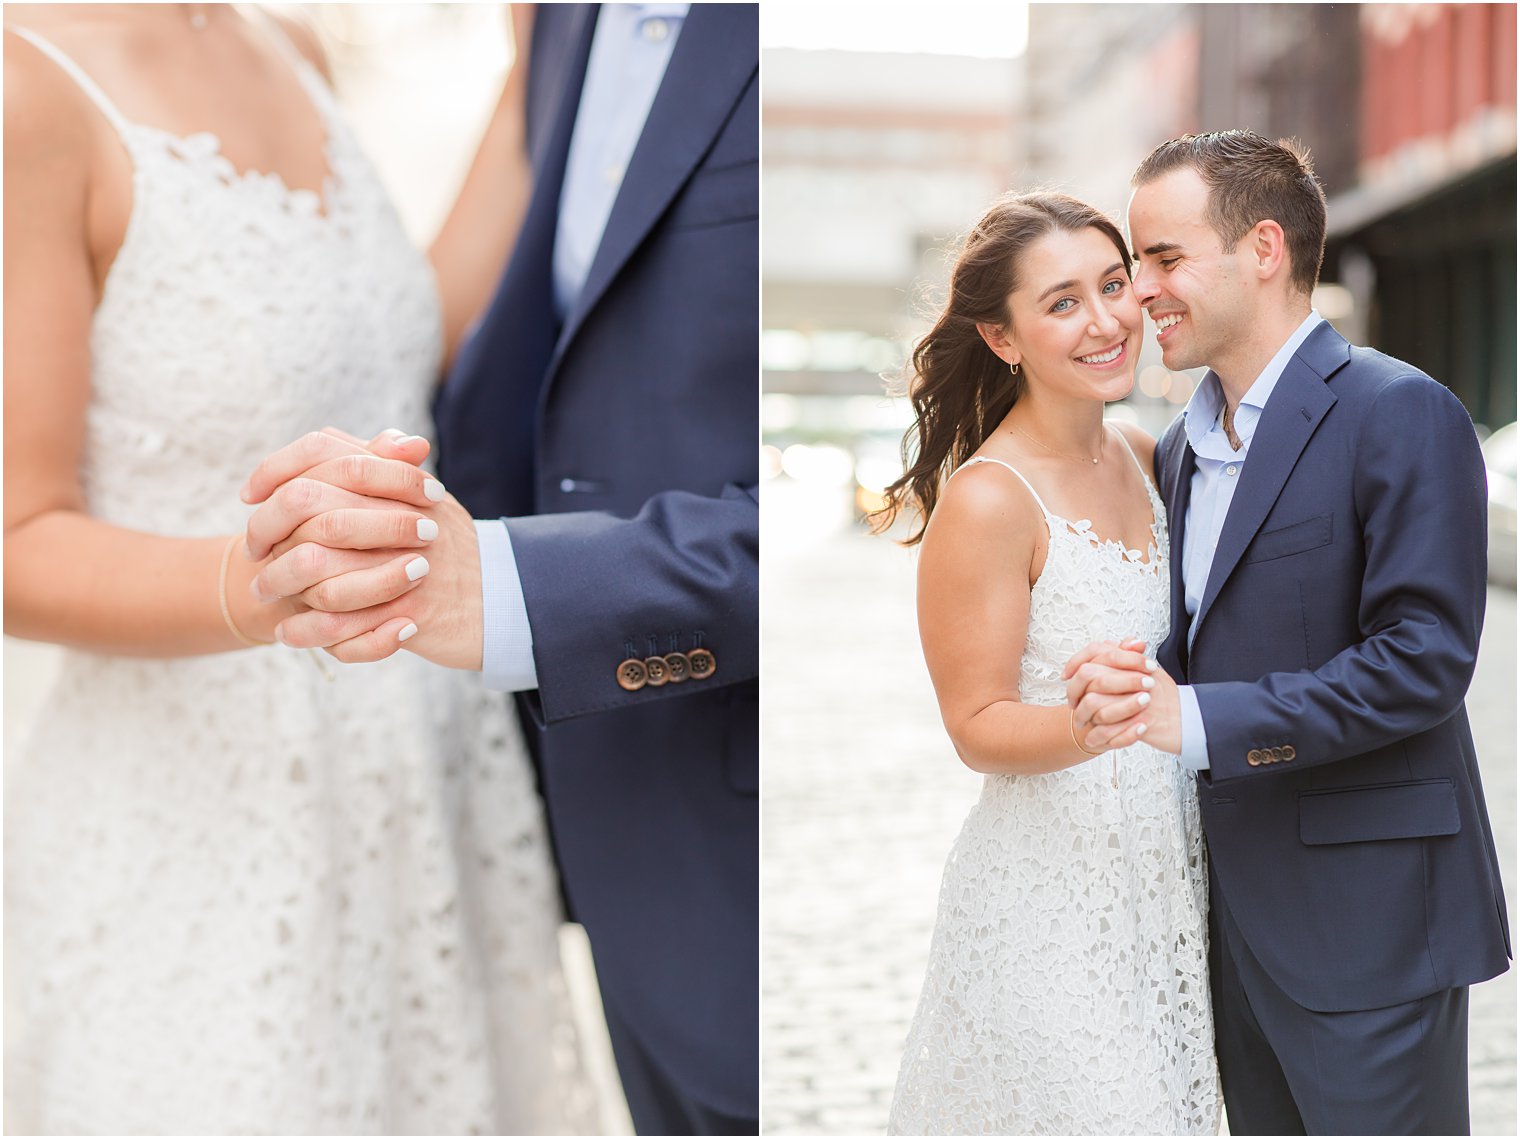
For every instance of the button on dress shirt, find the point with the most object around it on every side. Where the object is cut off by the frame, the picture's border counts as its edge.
(1217, 472)
(630, 49)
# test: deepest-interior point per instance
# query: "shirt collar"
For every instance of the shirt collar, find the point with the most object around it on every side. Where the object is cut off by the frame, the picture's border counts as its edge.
(1200, 418)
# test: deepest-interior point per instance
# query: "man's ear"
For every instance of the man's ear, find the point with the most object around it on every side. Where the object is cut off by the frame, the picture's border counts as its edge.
(1269, 249)
(996, 338)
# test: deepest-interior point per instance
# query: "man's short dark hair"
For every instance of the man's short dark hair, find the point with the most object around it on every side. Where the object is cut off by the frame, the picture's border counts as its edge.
(1252, 179)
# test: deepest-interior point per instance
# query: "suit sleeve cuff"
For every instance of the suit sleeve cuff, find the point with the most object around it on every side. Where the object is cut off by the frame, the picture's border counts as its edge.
(1195, 742)
(507, 639)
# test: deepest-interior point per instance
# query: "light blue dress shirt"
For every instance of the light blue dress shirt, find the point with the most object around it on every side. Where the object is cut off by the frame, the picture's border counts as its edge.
(1217, 472)
(630, 49)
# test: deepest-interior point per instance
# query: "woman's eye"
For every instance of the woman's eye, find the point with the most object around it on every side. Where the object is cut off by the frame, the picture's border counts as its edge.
(1062, 305)
(1110, 288)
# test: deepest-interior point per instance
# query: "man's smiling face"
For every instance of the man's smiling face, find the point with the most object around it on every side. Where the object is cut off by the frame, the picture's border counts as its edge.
(1196, 293)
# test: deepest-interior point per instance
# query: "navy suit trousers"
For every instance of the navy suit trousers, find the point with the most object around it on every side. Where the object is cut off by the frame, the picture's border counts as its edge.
(1400, 1070)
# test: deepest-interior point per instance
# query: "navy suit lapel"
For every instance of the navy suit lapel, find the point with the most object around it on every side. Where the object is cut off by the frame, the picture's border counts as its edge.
(1177, 491)
(711, 64)
(1177, 488)
(1297, 404)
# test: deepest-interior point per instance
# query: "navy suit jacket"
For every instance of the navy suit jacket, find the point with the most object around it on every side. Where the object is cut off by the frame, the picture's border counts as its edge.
(621, 445)
(1337, 637)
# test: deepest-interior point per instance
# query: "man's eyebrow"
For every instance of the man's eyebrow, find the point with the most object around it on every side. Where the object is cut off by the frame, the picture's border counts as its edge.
(1112, 269)
(1158, 248)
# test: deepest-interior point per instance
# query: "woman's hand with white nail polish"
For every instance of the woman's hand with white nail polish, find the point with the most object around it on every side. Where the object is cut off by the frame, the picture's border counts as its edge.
(1116, 717)
(439, 594)
(397, 497)
(316, 447)
(340, 581)
(368, 508)
(377, 644)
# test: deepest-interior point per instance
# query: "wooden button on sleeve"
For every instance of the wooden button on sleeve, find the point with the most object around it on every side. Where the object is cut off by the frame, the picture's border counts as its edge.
(703, 663)
(657, 670)
(632, 675)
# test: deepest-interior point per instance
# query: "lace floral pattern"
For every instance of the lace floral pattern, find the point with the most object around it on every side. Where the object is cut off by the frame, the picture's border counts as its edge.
(1067, 988)
(242, 898)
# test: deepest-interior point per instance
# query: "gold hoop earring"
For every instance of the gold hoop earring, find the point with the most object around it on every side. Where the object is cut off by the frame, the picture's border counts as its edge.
(1013, 367)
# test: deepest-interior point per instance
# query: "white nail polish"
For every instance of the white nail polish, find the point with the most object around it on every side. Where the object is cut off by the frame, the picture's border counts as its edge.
(408, 440)
(1147, 682)
(427, 529)
(1145, 698)
(1140, 729)
(407, 632)
(279, 634)
(433, 489)
(1150, 665)
(416, 568)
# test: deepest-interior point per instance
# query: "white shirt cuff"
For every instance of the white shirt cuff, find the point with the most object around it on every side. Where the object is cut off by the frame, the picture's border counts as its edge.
(507, 641)
(1195, 743)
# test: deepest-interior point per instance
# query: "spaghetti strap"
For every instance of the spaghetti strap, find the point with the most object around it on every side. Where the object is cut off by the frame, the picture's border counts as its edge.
(988, 459)
(1148, 479)
(77, 73)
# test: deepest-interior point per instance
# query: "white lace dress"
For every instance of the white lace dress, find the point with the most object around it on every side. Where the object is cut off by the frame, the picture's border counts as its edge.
(1067, 988)
(242, 898)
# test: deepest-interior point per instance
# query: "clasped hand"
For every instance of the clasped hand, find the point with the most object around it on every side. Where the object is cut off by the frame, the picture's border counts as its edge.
(371, 544)
(1118, 696)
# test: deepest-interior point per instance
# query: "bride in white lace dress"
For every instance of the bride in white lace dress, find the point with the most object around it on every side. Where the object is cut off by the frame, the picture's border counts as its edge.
(243, 896)
(1067, 989)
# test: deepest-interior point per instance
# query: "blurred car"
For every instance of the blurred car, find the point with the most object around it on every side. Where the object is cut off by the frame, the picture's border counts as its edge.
(1499, 453)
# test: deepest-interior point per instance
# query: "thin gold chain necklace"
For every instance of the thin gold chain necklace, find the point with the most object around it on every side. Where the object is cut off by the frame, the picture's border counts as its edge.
(1061, 454)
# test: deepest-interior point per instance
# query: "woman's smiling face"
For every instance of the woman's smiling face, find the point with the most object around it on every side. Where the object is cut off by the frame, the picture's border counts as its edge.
(1075, 324)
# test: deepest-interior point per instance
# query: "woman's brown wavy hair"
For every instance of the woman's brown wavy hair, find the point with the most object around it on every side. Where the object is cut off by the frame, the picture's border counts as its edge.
(960, 390)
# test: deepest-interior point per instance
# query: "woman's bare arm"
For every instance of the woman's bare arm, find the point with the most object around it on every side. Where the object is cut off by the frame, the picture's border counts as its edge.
(973, 615)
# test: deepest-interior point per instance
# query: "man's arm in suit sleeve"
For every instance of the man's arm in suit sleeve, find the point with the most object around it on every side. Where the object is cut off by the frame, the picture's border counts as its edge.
(682, 574)
(1419, 487)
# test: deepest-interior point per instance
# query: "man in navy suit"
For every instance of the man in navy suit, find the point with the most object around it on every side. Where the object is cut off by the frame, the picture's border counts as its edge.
(1327, 514)
(601, 423)
(606, 409)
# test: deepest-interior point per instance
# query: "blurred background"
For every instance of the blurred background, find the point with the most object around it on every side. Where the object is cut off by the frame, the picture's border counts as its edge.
(417, 83)
(885, 136)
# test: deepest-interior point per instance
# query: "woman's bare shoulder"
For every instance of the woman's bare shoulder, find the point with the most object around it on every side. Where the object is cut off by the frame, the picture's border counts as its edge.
(47, 115)
(985, 506)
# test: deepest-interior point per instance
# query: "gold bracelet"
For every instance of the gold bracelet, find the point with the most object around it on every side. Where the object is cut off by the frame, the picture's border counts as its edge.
(221, 592)
(1074, 736)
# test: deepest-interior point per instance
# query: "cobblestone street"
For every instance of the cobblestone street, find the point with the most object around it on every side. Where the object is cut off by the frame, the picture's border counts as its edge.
(863, 796)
